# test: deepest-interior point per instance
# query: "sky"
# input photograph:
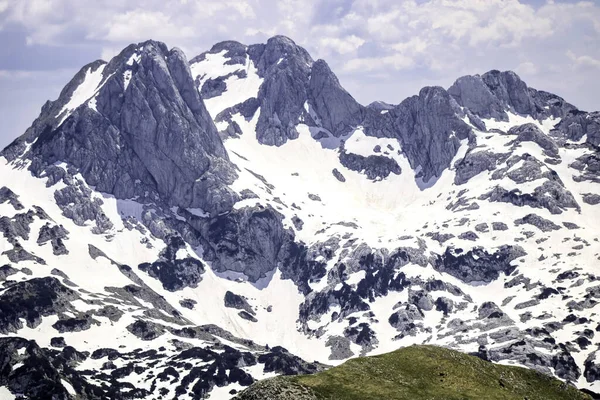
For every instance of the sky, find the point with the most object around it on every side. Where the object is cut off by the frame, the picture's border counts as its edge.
(379, 49)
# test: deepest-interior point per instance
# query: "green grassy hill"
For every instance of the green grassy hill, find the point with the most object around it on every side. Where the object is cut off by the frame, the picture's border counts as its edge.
(415, 373)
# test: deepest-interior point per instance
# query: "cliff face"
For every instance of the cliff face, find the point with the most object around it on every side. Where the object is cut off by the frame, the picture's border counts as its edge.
(183, 229)
(134, 126)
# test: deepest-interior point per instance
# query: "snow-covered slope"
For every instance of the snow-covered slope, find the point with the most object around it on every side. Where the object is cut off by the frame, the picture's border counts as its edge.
(175, 231)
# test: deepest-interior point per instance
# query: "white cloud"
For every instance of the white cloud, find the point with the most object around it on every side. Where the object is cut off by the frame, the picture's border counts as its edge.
(526, 68)
(427, 40)
(15, 74)
(583, 61)
(394, 61)
(343, 45)
(138, 25)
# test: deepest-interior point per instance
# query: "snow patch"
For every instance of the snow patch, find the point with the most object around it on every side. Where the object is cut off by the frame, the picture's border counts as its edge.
(83, 92)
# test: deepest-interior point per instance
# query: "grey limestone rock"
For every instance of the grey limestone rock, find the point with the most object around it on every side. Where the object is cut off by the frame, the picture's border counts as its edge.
(152, 135)
(362, 335)
(374, 166)
(31, 300)
(440, 237)
(233, 300)
(314, 197)
(18, 254)
(298, 223)
(429, 127)
(421, 299)
(494, 93)
(551, 195)
(592, 369)
(6, 271)
(472, 92)
(578, 124)
(253, 241)
(7, 195)
(477, 265)
(531, 133)
(543, 224)
(589, 166)
(175, 273)
(475, 162)
(527, 304)
(469, 235)
(482, 227)
(73, 324)
(234, 51)
(247, 316)
(338, 112)
(215, 87)
(188, 303)
(530, 170)
(406, 319)
(77, 204)
(380, 106)
(591, 198)
(499, 226)
(58, 342)
(338, 175)
(285, 68)
(55, 235)
(340, 347)
(146, 330)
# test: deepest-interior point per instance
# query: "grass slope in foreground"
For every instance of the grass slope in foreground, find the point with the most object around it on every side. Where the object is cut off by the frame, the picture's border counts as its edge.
(415, 373)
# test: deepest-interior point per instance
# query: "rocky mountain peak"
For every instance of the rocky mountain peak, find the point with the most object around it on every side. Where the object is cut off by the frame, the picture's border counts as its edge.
(495, 93)
(209, 213)
(279, 51)
(235, 52)
(135, 126)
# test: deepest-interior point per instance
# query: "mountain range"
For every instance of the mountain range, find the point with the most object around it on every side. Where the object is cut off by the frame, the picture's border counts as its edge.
(179, 229)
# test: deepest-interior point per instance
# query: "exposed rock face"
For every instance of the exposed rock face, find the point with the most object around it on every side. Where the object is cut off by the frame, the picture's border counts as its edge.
(544, 225)
(151, 132)
(175, 273)
(247, 240)
(281, 361)
(406, 320)
(72, 325)
(146, 330)
(77, 204)
(339, 113)
(336, 251)
(32, 300)
(233, 300)
(495, 92)
(477, 265)
(473, 92)
(375, 167)
(589, 167)
(591, 198)
(286, 71)
(578, 124)
(531, 133)
(474, 163)
(429, 128)
(7, 195)
(551, 195)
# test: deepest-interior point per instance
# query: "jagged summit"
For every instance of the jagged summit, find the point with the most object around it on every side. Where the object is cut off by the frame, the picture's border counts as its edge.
(493, 93)
(380, 105)
(134, 125)
(182, 229)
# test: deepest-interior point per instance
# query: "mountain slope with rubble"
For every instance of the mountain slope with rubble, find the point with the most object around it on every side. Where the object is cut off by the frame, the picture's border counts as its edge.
(177, 229)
